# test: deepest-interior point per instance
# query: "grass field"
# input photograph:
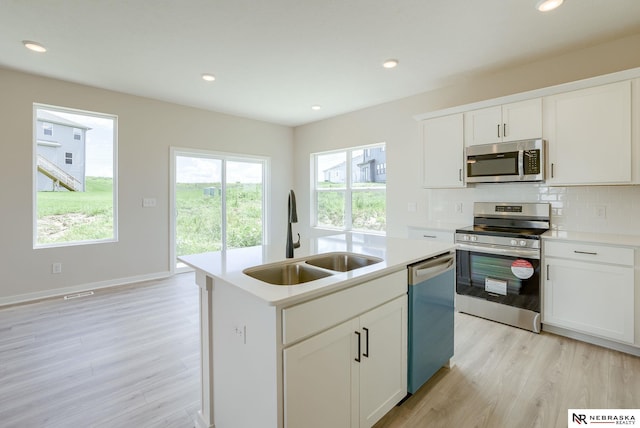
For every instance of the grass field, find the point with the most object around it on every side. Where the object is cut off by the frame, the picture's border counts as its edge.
(83, 216)
(76, 216)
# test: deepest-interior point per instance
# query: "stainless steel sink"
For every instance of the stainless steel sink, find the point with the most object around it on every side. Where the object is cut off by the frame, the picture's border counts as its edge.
(342, 262)
(286, 274)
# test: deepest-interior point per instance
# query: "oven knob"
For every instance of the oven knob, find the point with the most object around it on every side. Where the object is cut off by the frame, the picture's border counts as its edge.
(523, 243)
(465, 237)
(474, 238)
(514, 242)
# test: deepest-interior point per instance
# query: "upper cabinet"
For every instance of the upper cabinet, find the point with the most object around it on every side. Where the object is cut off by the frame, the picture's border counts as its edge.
(588, 133)
(443, 152)
(508, 122)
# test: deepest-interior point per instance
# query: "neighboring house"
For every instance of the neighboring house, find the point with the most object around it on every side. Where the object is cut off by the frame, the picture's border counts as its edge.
(370, 167)
(61, 152)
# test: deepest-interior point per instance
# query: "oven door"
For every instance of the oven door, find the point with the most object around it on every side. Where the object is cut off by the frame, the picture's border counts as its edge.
(500, 278)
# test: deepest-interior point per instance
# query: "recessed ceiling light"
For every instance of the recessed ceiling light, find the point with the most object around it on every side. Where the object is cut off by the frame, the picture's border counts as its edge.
(390, 63)
(547, 5)
(208, 77)
(316, 107)
(34, 46)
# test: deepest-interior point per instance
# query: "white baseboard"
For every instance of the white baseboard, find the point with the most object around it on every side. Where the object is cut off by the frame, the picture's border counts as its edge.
(46, 294)
(605, 343)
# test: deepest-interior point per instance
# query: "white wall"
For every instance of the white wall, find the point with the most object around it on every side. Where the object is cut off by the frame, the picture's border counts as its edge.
(393, 123)
(147, 128)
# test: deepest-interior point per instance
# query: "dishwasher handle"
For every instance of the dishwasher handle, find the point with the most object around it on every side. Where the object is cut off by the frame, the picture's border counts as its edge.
(433, 267)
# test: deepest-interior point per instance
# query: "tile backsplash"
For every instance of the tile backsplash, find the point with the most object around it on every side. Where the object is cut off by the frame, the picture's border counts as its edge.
(604, 209)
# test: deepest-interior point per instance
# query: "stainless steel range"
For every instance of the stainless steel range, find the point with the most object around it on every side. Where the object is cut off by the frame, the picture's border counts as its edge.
(498, 263)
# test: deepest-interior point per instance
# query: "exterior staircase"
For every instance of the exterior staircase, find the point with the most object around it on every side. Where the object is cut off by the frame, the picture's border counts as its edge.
(58, 175)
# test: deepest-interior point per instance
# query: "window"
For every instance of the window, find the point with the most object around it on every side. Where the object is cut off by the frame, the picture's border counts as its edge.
(219, 201)
(350, 189)
(74, 186)
(77, 134)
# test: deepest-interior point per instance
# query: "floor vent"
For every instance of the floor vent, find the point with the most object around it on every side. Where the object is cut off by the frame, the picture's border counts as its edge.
(77, 295)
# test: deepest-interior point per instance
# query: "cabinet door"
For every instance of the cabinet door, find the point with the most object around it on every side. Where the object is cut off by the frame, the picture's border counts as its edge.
(591, 298)
(589, 135)
(321, 380)
(522, 120)
(383, 371)
(443, 152)
(483, 126)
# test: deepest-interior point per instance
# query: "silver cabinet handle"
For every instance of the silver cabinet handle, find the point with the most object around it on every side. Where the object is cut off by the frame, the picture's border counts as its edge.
(551, 170)
(498, 130)
(460, 174)
(429, 236)
(547, 272)
(590, 253)
(504, 129)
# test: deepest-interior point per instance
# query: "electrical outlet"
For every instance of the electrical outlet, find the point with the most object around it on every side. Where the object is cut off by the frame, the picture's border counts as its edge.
(56, 268)
(412, 207)
(241, 332)
(601, 211)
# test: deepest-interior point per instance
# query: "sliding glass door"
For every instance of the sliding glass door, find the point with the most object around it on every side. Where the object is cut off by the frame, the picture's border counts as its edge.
(218, 201)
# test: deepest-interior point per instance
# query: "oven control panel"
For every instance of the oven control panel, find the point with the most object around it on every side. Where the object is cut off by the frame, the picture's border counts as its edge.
(503, 241)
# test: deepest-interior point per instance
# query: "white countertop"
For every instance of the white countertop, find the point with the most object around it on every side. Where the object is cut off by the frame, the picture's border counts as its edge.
(396, 253)
(596, 238)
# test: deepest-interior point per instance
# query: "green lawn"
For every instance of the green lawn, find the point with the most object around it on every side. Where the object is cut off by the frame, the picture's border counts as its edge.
(76, 216)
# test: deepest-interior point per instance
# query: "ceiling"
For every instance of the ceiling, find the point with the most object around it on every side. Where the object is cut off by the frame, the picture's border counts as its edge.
(274, 59)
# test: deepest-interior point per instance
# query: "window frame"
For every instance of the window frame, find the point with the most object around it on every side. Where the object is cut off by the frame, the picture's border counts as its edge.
(348, 189)
(34, 165)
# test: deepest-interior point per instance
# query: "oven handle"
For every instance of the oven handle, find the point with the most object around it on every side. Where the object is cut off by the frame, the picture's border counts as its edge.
(493, 249)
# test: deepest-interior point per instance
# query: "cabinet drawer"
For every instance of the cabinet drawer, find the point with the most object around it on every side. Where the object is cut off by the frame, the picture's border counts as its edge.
(311, 317)
(589, 252)
(431, 234)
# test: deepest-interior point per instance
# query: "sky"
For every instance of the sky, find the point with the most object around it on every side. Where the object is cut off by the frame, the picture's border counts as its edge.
(202, 169)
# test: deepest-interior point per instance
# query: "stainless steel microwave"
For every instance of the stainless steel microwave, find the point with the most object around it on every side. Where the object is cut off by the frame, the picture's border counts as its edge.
(506, 162)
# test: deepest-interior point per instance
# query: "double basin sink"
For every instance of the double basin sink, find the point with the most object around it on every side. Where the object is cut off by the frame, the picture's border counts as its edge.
(309, 269)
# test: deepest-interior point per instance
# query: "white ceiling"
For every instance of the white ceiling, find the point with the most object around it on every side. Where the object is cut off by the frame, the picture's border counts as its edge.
(274, 59)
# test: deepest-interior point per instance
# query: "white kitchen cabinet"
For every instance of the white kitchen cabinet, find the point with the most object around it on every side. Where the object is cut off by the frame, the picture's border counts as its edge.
(351, 374)
(509, 122)
(588, 133)
(443, 152)
(589, 289)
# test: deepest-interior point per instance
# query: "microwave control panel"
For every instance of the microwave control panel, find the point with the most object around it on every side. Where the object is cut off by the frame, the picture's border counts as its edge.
(531, 162)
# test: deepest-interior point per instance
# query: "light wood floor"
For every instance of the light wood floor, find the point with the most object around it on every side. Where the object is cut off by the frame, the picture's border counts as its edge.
(129, 357)
(124, 357)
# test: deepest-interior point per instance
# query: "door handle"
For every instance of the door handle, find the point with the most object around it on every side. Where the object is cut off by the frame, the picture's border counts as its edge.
(358, 358)
(366, 342)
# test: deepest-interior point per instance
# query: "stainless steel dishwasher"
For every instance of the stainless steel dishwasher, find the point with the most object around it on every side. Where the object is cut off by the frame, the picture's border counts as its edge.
(431, 306)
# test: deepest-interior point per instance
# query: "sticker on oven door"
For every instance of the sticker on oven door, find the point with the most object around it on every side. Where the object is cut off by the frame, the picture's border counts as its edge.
(495, 286)
(522, 269)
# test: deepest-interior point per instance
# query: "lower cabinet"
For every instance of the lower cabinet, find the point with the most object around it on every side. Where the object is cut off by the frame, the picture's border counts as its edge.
(589, 288)
(349, 375)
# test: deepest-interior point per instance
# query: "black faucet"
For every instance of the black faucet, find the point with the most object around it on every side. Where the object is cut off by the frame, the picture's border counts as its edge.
(292, 218)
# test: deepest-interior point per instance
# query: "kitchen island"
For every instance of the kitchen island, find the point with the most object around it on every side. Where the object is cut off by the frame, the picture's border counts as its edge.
(255, 336)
